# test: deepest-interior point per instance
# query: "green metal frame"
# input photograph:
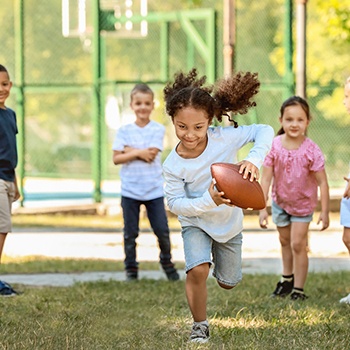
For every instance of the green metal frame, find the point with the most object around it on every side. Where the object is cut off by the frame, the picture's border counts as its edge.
(288, 44)
(105, 21)
(19, 86)
(202, 43)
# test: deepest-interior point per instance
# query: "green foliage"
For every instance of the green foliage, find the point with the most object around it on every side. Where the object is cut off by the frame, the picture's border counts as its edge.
(154, 315)
(334, 15)
(328, 57)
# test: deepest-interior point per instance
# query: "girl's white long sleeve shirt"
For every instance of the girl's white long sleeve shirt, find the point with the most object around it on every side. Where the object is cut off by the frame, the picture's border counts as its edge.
(187, 181)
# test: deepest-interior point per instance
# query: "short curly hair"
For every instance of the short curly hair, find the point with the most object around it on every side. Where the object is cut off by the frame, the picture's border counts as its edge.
(232, 94)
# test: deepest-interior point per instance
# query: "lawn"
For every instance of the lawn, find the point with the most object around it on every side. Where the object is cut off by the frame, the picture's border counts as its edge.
(154, 315)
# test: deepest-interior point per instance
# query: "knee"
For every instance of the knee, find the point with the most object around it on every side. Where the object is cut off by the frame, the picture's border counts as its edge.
(299, 247)
(284, 241)
(199, 273)
(225, 286)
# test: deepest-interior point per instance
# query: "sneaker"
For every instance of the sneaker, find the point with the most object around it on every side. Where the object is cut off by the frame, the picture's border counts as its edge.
(200, 333)
(131, 275)
(283, 289)
(171, 273)
(345, 300)
(298, 296)
(6, 290)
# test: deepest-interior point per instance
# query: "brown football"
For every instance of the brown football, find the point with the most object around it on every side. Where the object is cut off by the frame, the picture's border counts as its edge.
(242, 192)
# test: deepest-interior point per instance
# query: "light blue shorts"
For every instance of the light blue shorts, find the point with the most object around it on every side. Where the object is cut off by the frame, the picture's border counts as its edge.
(281, 218)
(345, 212)
(199, 247)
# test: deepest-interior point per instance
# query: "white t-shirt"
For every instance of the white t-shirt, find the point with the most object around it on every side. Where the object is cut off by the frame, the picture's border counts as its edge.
(187, 180)
(141, 180)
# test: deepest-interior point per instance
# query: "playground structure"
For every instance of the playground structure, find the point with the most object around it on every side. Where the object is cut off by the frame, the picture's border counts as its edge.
(72, 75)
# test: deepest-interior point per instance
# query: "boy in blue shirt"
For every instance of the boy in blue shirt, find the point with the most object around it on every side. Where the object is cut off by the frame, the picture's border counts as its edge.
(8, 161)
(137, 146)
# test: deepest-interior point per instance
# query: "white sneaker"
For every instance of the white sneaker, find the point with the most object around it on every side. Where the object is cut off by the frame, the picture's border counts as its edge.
(200, 333)
(345, 300)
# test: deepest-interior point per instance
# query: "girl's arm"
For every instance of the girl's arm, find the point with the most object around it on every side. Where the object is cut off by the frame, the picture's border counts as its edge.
(266, 178)
(262, 136)
(322, 182)
(180, 204)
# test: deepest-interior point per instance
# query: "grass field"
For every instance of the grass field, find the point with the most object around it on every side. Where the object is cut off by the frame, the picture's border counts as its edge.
(154, 315)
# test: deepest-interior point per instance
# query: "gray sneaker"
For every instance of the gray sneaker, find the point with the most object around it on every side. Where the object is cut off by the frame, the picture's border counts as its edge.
(345, 300)
(200, 333)
(131, 275)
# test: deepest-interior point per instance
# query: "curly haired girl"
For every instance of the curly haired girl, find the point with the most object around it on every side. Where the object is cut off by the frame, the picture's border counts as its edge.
(211, 226)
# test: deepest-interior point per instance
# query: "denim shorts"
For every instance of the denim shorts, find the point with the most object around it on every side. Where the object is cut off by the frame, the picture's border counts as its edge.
(281, 218)
(200, 248)
(345, 212)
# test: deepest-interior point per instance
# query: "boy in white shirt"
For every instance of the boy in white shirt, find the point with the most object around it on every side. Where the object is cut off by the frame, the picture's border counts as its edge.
(137, 146)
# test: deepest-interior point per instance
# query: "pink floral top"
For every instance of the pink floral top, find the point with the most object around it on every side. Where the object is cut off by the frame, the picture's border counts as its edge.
(294, 185)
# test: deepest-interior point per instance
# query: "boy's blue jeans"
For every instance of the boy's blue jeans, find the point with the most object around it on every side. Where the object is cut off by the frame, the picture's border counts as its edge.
(157, 217)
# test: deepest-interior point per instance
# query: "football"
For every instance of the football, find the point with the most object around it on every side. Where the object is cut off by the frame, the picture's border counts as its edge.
(242, 192)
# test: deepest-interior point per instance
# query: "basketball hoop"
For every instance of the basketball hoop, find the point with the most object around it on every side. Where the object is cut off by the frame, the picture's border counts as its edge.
(77, 19)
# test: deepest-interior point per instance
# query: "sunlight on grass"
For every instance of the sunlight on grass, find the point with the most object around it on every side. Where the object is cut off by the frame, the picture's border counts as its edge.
(238, 322)
(154, 315)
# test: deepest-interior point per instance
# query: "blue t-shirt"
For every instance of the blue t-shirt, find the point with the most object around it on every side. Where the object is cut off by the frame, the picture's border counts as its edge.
(8, 146)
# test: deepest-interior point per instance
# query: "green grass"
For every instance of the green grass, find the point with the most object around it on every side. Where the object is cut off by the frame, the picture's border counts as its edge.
(154, 315)
(39, 264)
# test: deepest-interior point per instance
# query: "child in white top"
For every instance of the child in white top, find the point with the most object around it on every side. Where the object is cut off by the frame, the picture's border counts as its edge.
(345, 203)
(296, 165)
(210, 224)
(137, 146)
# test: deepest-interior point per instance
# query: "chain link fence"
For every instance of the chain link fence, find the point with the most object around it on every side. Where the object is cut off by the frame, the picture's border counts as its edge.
(58, 83)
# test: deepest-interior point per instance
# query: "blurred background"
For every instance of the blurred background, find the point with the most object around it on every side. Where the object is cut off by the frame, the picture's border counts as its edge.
(74, 62)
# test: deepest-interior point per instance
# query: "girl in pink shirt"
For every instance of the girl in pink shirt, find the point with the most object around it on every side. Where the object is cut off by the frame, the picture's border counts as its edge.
(296, 166)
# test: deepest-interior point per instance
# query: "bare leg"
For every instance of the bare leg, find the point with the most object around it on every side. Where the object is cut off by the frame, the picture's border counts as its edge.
(286, 249)
(196, 291)
(299, 244)
(346, 237)
(346, 240)
(2, 242)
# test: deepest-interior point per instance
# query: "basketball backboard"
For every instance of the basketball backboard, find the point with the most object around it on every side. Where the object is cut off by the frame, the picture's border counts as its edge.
(77, 17)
